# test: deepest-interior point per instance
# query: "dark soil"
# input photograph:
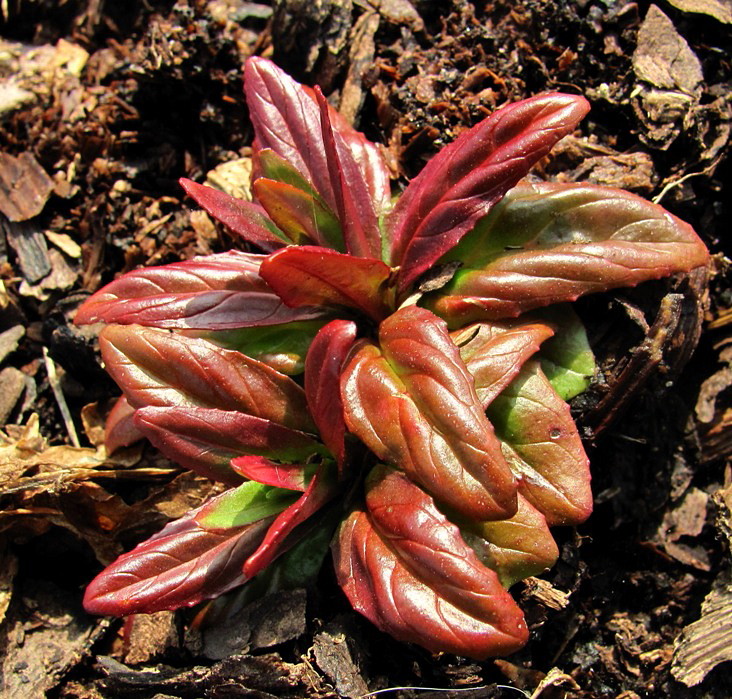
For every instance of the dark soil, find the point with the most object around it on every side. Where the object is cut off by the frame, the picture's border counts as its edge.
(114, 101)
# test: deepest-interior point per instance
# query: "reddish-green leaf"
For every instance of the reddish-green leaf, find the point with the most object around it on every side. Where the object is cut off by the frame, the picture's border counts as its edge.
(464, 180)
(515, 548)
(291, 524)
(180, 566)
(543, 446)
(298, 213)
(206, 440)
(495, 352)
(407, 569)
(352, 197)
(546, 243)
(119, 429)
(209, 293)
(311, 276)
(157, 367)
(245, 218)
(288, 120)
(323, 368)
(257, 468)
(413, 403)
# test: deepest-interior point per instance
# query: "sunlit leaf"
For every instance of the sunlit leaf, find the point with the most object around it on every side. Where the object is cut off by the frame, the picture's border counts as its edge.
(245, 218)
(180, 566)
(405, 567)
(412, 401)
(310, 276)
(206, 440)
(543, 446)
(268, 472)
(465, 179)
(323, 369)
(547, 243)
(210, 293)
(156, 367)
(515, 548)
(119, 429)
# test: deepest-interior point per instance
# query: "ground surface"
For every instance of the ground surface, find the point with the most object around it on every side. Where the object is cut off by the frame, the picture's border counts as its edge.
(103, 106)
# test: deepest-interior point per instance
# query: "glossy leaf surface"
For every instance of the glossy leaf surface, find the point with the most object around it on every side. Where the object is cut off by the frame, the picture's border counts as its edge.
(495, 352)
(310, 276)
(543, 447)
(291, 524)
(209, 293)
(407, 569)
(206, 439)
(547, 243)
(412, 402)
(323, 369)
(119, 429)
(515, 548)
(180, 566)
(466, 178)
(156, 367)
(268, 472)
(245, 218)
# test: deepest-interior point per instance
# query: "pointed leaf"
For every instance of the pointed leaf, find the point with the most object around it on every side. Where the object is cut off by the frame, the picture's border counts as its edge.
(291, 524)
(156, 367)
(543, 446)
(210, 293)
(353, 200)
(247, 503)
(495, 352)
(323, 369)
(464, 180)
(119, 428)
(312, 276)
(287, 120)
(408, 570)
(515, 548)
(206, 440)
(180, 566)
(300, 215)
(546, 243)
(257, 468)
(282, 347)
(245, 218)
(413, 403)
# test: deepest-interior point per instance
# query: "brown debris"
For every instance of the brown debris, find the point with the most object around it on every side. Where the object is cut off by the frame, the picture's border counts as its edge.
(721, 10)
(24, 186)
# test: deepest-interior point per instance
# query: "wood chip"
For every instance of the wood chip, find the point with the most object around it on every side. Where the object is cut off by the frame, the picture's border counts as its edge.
(12, 385)
(9, 340)
(24, 186)
(721, 10)
(662, 56)
(29, 243)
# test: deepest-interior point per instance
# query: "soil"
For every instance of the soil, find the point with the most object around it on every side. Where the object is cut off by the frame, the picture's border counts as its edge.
(104, 105)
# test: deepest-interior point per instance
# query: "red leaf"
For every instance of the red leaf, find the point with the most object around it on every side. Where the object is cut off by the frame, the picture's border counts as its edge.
(206, 440)
(257, 468)
(180, 566)
(157, 367)
(353, 200)
(548, 243)
(311, 276)
(323, 367)
(408, 570)
(216, 292)
(245, 218)
(495, 352)
(413, 403)
(287, 528)
(465, 179)
(288, 120)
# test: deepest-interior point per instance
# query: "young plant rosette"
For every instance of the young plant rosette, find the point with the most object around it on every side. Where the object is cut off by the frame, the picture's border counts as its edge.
(386, 377)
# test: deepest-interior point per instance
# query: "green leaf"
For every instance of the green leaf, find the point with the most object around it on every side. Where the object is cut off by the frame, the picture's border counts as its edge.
(249, 502)
(567, 358)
